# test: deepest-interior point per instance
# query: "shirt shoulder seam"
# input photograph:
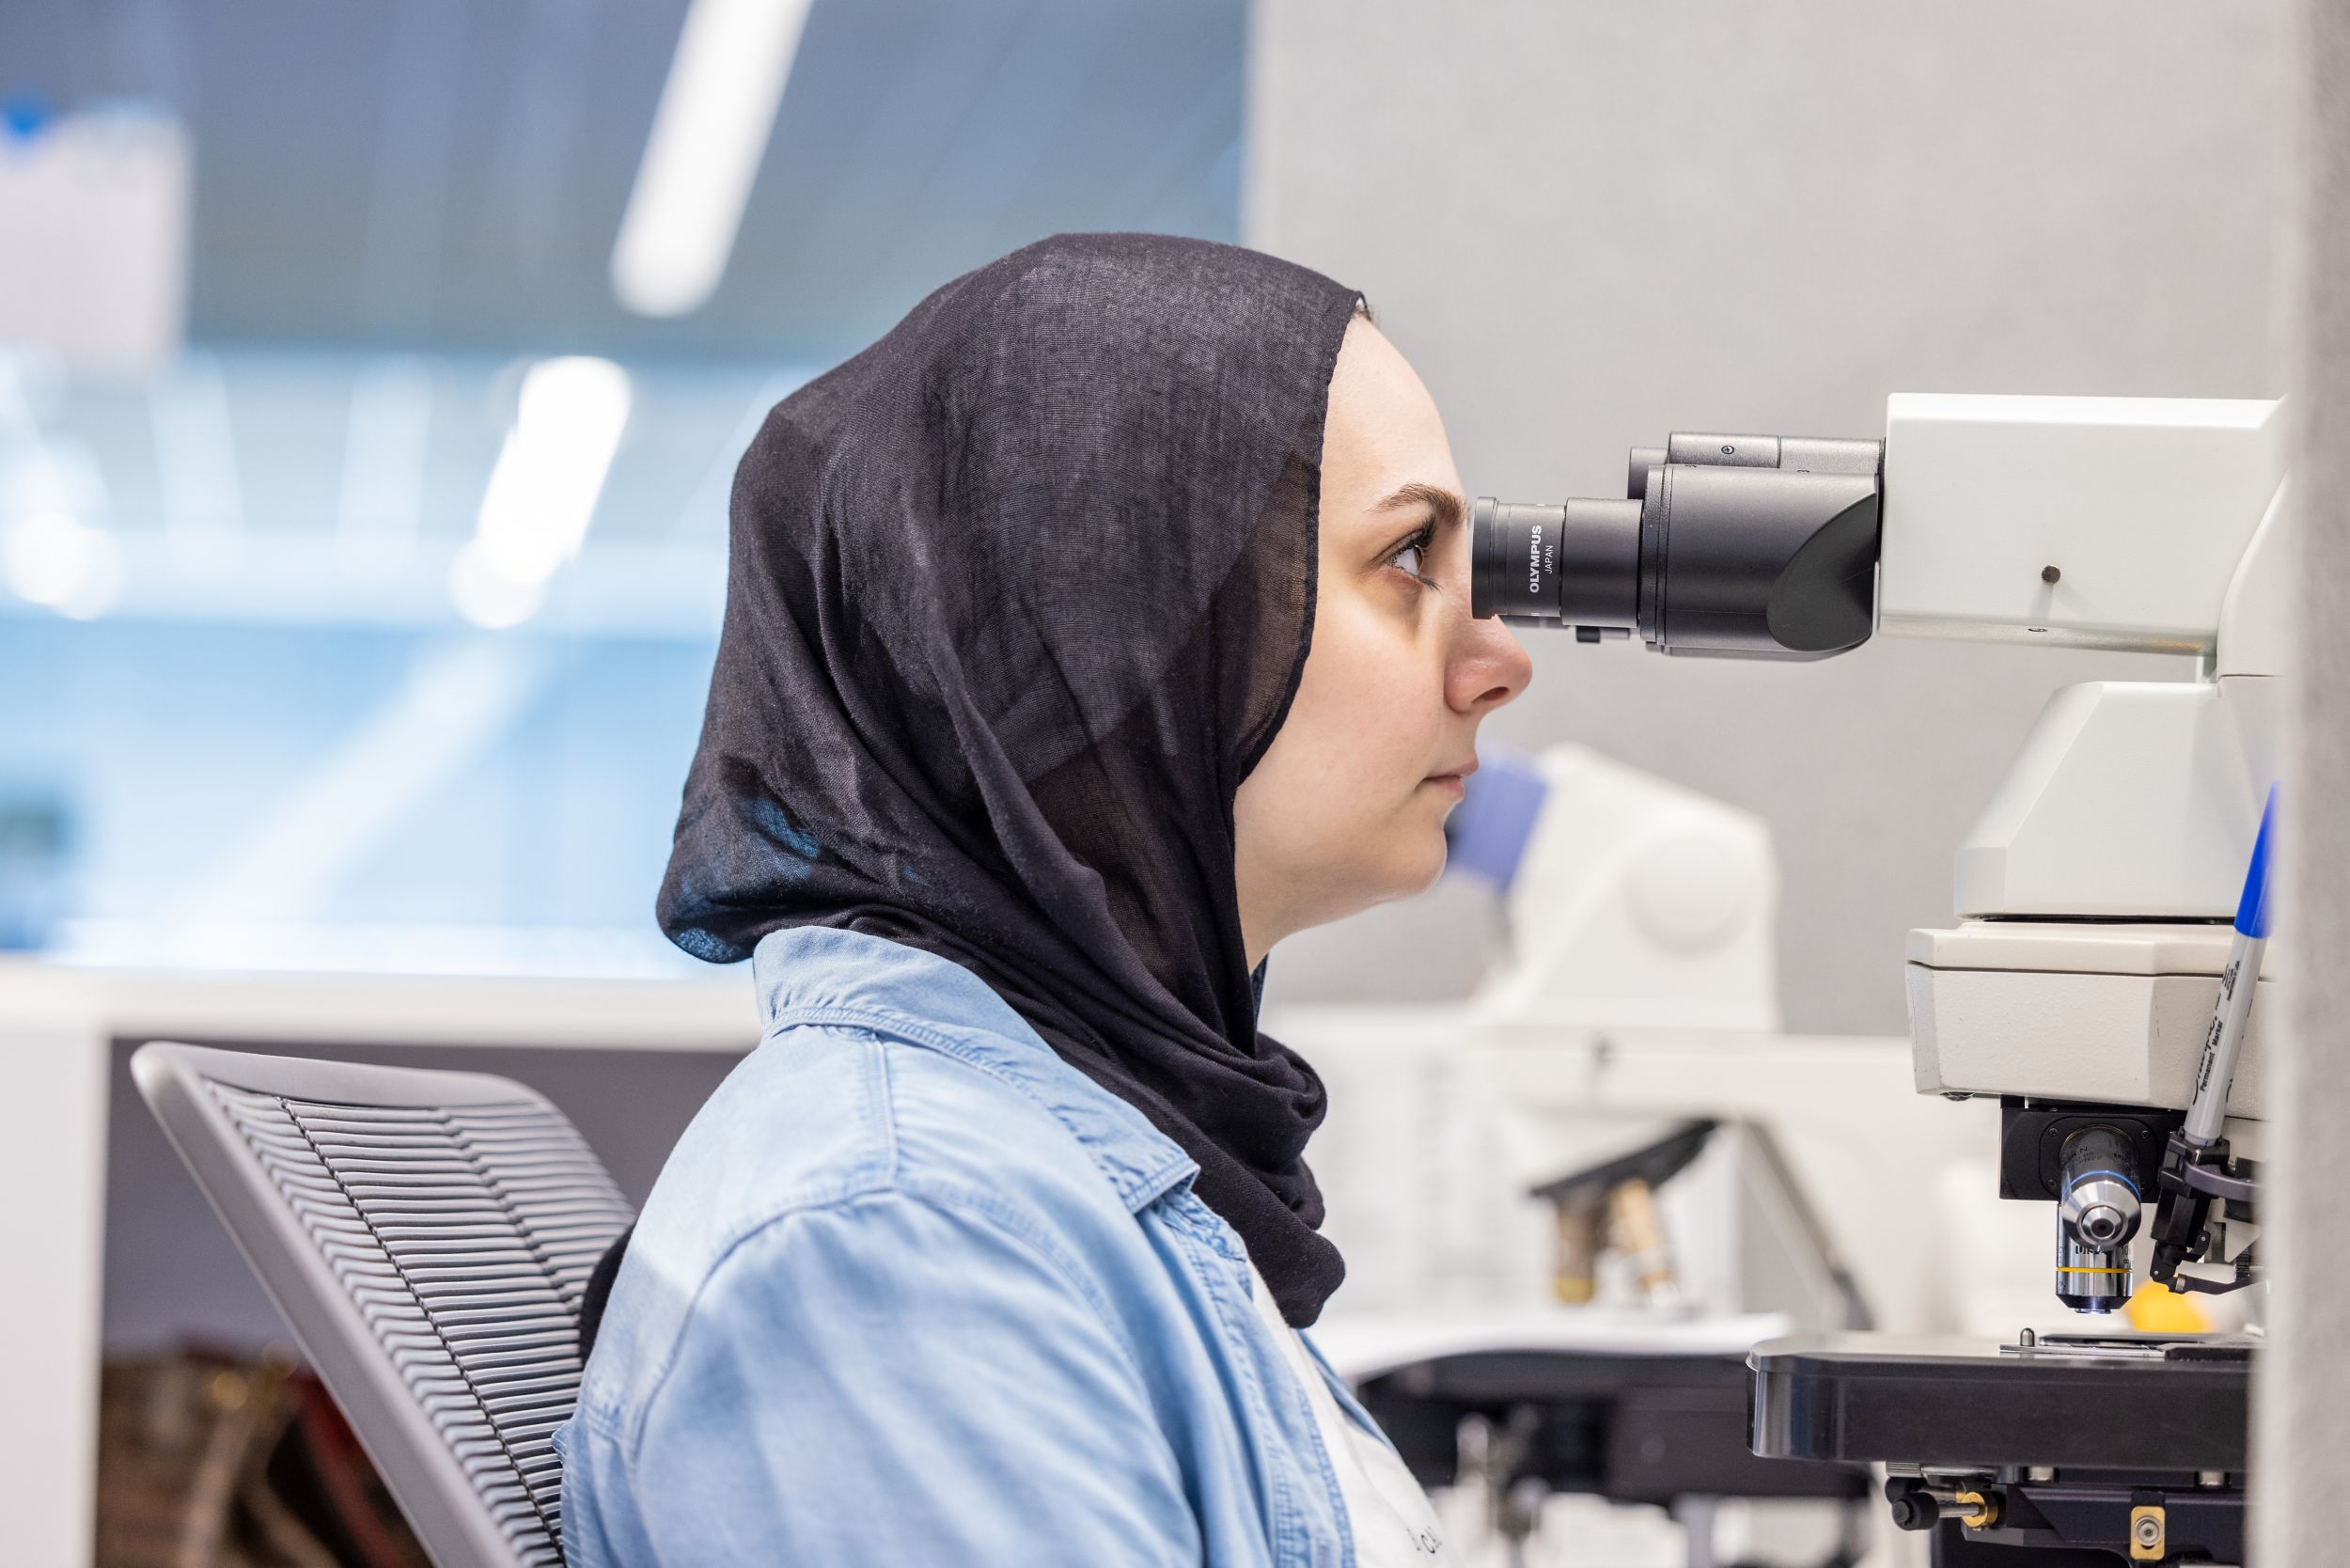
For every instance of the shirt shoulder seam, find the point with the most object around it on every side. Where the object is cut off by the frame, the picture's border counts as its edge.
(951, 1200)
(1136, 1192)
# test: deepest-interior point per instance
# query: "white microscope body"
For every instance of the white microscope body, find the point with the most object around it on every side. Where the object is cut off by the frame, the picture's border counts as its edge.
(2094, 890)
(2144, 524)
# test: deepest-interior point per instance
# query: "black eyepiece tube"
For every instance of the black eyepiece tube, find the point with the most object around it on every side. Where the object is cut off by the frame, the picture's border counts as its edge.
(1728, 546)
(1577, 564)
(1513, 560)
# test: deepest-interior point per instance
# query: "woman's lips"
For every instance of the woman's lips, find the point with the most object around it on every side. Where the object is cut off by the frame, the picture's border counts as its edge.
(1455, 780)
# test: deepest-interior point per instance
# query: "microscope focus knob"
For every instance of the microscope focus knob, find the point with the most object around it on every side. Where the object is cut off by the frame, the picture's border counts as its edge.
(1913, 1507)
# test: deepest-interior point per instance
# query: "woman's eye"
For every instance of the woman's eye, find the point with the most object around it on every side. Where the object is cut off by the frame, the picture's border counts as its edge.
(1411, 556)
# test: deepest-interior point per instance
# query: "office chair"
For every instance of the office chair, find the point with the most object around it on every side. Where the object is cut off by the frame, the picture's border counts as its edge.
(427, 1236)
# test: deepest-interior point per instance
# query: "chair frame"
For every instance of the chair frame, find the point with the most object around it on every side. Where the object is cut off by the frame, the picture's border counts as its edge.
(439, 1501)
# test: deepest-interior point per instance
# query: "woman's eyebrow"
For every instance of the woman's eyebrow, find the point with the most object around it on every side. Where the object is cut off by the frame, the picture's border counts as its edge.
(1448, 507)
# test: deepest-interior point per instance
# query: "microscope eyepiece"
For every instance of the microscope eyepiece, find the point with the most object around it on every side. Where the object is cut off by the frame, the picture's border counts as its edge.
(1579, 564)
(1734, 546)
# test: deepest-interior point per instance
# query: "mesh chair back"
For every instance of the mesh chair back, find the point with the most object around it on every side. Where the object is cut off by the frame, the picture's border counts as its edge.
(428, 1237)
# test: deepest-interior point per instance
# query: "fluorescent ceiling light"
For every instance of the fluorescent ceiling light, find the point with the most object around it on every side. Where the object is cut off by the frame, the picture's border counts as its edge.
(716, 113)
(486, 596)
(543, 493)
(56, 560)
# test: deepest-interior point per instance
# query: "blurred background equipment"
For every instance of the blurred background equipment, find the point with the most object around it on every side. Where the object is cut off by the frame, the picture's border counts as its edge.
(95, 205)
(36, 858)
(1613, 1205)
(237, 1463)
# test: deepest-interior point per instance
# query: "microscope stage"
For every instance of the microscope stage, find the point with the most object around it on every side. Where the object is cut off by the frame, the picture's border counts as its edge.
(2118, 1402)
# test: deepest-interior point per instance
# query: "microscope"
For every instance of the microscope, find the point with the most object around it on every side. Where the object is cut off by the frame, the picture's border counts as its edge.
(2093, 900)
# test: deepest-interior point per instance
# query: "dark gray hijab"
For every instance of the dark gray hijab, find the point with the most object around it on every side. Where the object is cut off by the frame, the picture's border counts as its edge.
(1018, 596)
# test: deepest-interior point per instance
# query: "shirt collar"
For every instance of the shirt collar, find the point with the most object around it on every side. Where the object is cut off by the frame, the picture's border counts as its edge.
(820, 975)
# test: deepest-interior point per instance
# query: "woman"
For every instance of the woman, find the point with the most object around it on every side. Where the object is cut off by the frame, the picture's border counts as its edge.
(1100, 626)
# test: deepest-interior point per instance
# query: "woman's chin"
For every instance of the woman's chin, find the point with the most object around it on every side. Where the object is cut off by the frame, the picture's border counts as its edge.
(1420, 860)
(1401, 862)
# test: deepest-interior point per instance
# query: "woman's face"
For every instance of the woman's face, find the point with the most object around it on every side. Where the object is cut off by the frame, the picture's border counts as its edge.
(1346, 808)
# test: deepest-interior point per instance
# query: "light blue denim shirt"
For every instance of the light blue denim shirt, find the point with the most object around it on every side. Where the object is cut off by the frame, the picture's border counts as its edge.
(914, 1292)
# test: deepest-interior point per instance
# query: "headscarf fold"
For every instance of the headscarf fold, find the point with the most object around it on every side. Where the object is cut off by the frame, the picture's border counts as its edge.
(1017, 599)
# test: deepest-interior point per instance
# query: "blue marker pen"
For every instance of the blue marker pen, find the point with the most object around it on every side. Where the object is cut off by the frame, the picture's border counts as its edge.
(2224, 1042)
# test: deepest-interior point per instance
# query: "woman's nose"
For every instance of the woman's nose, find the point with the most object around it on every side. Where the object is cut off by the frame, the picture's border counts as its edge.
(1490, 667)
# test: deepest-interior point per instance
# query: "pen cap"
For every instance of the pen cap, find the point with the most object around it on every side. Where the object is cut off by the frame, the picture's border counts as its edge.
(2252, 913)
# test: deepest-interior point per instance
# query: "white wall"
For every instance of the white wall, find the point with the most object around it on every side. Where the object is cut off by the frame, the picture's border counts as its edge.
(2302, 1401)
(1592, 223)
